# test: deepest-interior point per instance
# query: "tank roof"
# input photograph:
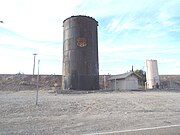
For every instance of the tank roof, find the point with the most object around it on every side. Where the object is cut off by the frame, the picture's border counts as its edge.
(81, 16)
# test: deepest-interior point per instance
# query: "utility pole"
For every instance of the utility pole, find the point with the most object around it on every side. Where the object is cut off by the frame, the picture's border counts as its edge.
(37, 84)
(115, 83)
(34, 62)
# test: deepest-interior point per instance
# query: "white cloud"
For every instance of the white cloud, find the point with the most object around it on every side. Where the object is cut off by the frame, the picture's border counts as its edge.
(156, 35)
(37, 19)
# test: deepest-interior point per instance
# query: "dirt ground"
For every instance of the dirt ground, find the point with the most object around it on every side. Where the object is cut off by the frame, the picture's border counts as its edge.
(86, 113)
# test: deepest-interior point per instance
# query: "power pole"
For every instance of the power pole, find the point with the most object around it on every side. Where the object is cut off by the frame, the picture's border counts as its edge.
(37, 84)
(34, 62)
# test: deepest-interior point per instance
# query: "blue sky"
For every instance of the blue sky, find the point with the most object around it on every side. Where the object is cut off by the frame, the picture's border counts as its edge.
(129, 32)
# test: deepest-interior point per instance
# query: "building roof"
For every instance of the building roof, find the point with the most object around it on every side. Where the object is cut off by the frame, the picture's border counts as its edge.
(123, 76)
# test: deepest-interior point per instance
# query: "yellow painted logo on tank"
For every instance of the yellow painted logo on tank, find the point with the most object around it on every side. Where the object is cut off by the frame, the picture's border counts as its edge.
(81, 42)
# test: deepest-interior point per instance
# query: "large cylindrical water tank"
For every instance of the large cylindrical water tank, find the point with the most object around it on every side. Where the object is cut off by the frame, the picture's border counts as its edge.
(152, 75)
(80, 53)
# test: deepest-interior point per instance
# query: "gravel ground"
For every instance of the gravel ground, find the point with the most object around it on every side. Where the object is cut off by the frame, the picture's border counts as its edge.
(86, 113)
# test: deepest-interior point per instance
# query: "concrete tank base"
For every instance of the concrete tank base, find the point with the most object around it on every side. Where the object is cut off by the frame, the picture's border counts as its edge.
(81, 82)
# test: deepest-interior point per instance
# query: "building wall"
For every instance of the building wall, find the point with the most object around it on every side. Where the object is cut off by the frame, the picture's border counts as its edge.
(118, 84)
(121, 84)
(129, 83)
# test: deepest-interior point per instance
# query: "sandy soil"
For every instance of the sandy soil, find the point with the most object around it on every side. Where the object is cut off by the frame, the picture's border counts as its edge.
(86, 113)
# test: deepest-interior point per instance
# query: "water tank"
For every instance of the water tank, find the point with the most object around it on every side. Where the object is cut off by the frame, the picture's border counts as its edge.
(152, 75)
(80, 53)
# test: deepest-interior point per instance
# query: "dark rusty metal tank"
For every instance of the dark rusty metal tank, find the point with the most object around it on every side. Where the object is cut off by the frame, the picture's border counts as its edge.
(80, 54)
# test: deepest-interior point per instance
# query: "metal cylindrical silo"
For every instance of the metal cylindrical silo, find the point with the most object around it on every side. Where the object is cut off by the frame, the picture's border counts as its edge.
(80, 53)
(152, 75)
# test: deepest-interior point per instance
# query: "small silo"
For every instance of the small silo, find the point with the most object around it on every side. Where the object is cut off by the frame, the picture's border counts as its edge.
(152, 75)
(80, 53)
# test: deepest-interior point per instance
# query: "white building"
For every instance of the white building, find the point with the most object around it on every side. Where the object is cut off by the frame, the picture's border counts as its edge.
(126, 81)
(152, 75)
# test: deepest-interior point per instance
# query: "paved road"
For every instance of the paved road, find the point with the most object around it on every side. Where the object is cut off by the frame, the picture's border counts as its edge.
(163, 130)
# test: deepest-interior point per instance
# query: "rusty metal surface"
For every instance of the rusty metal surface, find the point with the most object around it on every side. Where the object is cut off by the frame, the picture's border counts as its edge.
(80, 54)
